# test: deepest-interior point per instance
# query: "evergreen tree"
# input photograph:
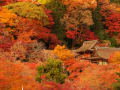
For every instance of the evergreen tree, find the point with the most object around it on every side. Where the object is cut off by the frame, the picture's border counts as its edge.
(98, 26)
(58, 9)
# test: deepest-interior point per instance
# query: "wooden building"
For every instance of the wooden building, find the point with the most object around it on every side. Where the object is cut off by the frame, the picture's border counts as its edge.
(99, 55)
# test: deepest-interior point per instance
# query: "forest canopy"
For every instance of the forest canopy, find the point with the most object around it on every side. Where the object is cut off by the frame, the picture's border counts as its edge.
(60, 44)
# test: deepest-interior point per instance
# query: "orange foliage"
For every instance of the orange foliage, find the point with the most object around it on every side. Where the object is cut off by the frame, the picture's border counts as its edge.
(63, 53)
(97, 77)
(86, 3)
(27, 29)
(89, 76)
(76, 67)
(115, 58)
(7, 17)
(77, 19)
(25, 37)
(57, 86)
(15, 75)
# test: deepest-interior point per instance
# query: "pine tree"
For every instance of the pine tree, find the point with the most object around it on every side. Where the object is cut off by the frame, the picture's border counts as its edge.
(98, 27)
(58, 9)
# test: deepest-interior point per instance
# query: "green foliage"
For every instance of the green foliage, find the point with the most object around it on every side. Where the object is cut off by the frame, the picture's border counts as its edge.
(116, 86)
(98, 27)
(53, 71)
(58, 12)
(113, 42)
(29, 10)
(1, 1)
(115, 1)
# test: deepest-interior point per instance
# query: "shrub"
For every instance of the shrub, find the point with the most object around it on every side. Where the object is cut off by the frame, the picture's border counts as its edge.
(116, 85)
(63, 53)
(113, 42)
(52, 71)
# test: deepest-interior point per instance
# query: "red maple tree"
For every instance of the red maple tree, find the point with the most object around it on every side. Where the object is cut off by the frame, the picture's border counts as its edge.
(113, 22)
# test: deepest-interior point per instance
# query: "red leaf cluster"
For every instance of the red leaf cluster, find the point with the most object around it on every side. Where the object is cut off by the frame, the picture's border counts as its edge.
(76, 67)
(36, 31)
(5, 2)
(113, 22)
(48, 12)
(88, 35)
(5, 41)
(71, 34)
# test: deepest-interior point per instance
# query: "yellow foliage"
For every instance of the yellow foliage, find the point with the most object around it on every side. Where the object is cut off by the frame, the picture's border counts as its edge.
(44, 1)
(63, 53)
(115, 58)
(7, 17)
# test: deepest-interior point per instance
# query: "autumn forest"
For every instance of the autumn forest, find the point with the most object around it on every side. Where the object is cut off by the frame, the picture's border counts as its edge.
(59, 44)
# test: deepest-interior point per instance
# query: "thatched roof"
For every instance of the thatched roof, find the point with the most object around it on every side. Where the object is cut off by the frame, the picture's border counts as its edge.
(105, 52)
(102, 53)
(99, 52)
(87, 45)
(93, 58)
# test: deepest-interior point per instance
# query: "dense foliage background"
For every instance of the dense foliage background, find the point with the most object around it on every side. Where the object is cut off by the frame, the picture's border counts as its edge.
(35, 36)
